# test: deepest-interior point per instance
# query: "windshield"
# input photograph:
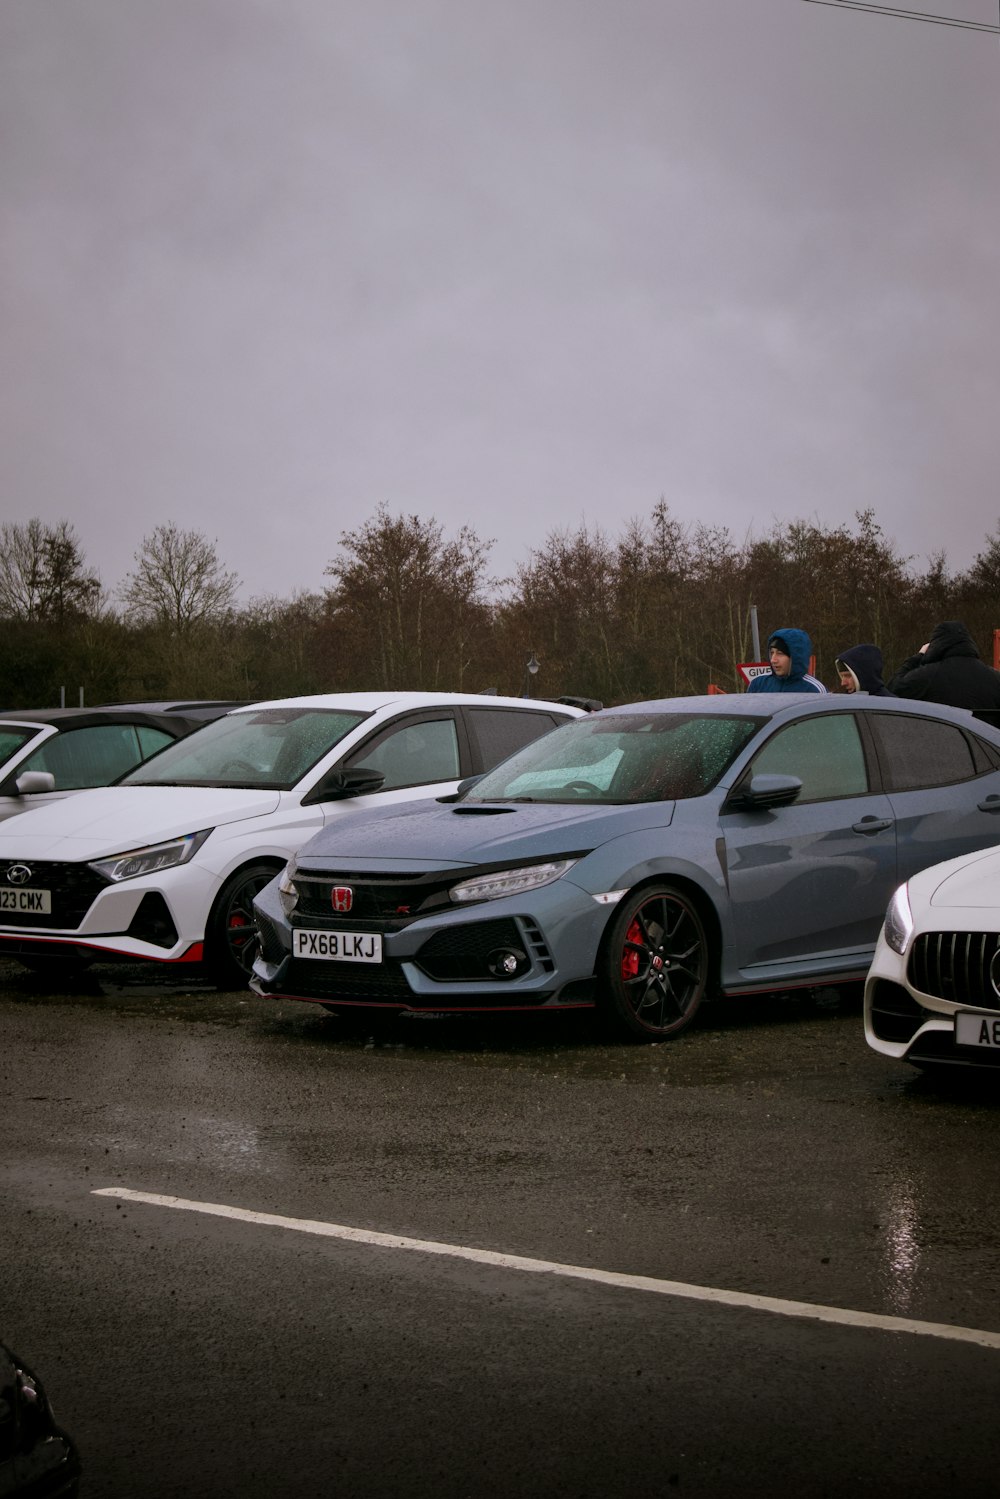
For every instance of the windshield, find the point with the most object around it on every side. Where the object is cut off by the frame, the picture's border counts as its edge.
(631, 757)
(270, 748)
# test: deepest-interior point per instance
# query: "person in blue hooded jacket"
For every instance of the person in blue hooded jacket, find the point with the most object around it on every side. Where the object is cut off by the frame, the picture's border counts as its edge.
(789, 652)
(860, 670)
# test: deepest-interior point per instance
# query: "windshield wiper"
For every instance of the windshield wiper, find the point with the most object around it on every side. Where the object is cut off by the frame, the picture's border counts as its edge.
(154, 783)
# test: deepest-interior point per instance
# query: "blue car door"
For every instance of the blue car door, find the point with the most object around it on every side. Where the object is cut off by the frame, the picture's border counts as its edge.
(813, 877)
(940, 779)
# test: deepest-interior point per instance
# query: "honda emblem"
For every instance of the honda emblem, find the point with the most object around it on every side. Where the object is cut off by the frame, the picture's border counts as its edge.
(342, 897)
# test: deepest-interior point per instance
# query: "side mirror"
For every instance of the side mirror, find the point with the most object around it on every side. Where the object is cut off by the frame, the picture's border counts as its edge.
(34, 781)
(343, 783)
(461, 788)
(764, 792)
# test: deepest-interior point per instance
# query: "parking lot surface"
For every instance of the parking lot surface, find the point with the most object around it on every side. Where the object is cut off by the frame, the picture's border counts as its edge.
(255, 1250)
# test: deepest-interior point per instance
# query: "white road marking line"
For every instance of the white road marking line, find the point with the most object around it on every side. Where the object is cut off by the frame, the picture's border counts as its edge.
(808, 1310)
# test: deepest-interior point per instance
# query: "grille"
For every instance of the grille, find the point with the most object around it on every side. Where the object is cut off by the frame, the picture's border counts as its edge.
(896, 1016)
(314, 980)
(938, 1049)
(461, 952)
(537, 948)
(152, 922)
(394, 897)
(271, 946)
(74, 889)
(956, 966)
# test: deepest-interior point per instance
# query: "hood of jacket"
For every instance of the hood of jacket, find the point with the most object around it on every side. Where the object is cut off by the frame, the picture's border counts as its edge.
(799, 647)
(865, 661)
(950, 639)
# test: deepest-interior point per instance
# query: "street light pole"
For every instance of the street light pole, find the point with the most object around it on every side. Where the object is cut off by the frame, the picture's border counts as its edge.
(531, 666)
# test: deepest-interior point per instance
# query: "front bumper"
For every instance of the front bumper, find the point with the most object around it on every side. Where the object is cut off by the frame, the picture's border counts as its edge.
(905, 1022)
(447, 962)
(157, 919)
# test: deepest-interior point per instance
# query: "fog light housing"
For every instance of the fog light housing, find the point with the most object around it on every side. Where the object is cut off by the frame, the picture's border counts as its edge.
(507, 962)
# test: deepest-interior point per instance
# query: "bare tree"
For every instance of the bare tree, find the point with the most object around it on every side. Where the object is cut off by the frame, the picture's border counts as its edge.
(42, 573)
(407, 604)
(178, 582)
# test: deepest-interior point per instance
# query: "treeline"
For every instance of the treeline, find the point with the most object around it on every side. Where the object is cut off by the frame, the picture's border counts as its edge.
(660, 609)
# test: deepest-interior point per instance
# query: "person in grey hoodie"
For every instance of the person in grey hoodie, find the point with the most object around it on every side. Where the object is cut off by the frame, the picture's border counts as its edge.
(860, 670)
(948, 670)
(789, 652)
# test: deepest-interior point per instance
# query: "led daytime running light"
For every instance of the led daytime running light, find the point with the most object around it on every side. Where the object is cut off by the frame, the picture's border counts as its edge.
(899, 921)
(155, 856)
(287, 893)
(510, 881)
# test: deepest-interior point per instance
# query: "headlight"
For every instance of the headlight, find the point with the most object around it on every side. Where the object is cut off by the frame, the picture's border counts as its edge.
(154, 856)
(899, 921)
(510, 881)
(287, 893)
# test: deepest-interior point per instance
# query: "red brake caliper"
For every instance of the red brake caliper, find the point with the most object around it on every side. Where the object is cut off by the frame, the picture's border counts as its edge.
(238, 923)
(630, 958)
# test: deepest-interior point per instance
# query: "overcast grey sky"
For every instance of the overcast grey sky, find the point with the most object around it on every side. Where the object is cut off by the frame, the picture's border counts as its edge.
(521, 264)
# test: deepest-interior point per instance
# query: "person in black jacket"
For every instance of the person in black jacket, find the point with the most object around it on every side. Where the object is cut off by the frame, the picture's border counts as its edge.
(948, 670)
(860, 670)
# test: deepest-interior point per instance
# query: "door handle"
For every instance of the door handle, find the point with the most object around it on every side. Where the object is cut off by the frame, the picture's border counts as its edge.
(991, 804)
(876, 824)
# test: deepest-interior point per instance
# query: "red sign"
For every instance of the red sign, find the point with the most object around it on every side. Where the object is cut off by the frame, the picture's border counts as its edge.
(750, 669)
(342, 897)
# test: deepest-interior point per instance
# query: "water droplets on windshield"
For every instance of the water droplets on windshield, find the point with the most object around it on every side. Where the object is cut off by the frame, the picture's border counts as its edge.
(270, 748)
(624, 758)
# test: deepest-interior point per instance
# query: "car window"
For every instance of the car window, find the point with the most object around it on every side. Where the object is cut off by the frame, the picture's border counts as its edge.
(986, 756)
(12, 740)
(151, 740)
(916, 752)
(414, 754)
(499, 732)
(271, 748)
(825, 753)
(86, 757)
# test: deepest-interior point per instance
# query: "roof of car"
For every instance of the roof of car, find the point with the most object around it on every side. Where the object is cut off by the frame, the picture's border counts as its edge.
(770, 705)
(194, 708)
(87, 718)
(370, 702)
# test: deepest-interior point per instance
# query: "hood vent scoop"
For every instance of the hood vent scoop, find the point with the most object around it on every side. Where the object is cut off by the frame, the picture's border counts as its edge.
(483, 810)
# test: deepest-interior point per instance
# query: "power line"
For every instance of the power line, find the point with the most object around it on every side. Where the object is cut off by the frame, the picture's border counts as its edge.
(899, 14)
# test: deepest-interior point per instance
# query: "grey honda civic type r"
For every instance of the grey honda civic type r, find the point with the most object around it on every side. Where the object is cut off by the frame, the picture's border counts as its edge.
(638, 860)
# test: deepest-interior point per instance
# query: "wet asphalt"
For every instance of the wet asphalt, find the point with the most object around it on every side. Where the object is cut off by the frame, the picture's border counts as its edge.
(766, 1151)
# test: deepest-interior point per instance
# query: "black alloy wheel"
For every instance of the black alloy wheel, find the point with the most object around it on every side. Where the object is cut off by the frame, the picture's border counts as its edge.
(231, 938)
(656, 963)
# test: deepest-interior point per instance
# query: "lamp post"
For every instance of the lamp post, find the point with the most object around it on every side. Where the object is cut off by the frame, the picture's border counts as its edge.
(531, 666)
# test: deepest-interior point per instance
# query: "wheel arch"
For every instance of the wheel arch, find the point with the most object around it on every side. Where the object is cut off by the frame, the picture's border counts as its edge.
(222, 956)
(699, 898)
(273, 861)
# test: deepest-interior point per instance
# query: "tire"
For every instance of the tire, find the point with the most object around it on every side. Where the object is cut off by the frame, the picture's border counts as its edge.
(655, 963)
(230, 938)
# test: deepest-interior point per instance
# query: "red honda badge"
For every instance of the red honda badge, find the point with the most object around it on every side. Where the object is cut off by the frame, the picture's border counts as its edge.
(342, 897)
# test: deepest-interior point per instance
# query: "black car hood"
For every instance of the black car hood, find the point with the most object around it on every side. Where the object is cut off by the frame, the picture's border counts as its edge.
(436, 836)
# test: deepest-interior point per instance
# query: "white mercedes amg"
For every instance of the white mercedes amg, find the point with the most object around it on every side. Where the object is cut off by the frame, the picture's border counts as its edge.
(932, 996)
